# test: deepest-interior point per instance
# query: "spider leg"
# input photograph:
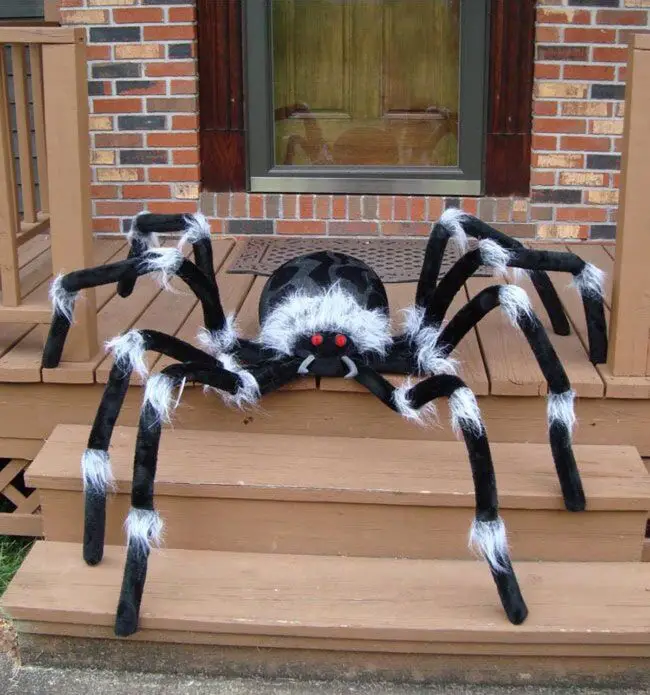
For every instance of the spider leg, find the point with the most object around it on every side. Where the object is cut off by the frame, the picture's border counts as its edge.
(459, 226)
(561, 417)
(128, 351)
(167, 262)
(144, 525)
(488, 533)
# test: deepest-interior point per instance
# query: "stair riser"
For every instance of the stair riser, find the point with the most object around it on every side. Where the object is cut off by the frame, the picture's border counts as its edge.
(276, 526)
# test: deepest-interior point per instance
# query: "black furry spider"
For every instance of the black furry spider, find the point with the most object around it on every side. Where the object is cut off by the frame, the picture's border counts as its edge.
(326, 314)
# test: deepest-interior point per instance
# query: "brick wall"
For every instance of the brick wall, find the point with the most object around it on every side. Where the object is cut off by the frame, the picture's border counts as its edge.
(143, 96)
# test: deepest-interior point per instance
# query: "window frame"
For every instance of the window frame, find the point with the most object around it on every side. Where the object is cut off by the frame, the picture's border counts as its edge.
(21, 9)
(266, 177)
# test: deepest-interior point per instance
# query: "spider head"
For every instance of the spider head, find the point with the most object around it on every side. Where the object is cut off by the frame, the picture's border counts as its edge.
(328, 350)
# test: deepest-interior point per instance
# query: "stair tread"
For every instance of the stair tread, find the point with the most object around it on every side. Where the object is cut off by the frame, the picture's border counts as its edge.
(338, 597)
(292, 467)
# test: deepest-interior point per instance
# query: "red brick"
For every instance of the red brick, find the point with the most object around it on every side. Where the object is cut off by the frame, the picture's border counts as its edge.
(401, 209)
(98, 52)
(547, 71)
(545, 108)
(106, 192)
(137, 15)
(581, 214)
(560, 125)
(178, 15)
(585, 144)
(172, 139)
(354, 207)
(544, 142)
(173, 207)
(176, 68)
(118, 140)
(405, 228)
(146, 192)
(589, 72)
(289, 205)
(184, 86)
(542, 178)
(469, 205)
(306, 206)
(609, 54)
(552, 16)
(169, 33)
(256, 206)
(216, 226)
(545, 34)
(117, 207)
(418, 209)
(171, 105)
(186, 156)
(637, 18)
(239, 204)
(339, 207)
(622, 73)
(582, 35)
(300, 227)
(323, 207)
(434, 208)
(185, 122)
(163, 174)
(71, 3)
(353, 227)
(116, 105)
(106, 225)
(385, 207)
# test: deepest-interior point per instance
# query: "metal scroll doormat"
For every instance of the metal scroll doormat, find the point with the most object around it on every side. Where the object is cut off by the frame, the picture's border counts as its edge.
(394, 260)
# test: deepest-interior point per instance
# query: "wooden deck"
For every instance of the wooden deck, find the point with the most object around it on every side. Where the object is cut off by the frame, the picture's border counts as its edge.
(495, 361)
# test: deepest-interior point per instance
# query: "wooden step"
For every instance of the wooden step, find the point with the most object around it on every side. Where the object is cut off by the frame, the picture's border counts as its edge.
(373, 604)
(363, 497)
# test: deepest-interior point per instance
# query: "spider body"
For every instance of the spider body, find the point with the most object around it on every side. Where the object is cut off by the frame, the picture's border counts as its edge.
(326, 314)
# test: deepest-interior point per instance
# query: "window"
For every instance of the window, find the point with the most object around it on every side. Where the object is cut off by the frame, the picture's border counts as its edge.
(366, 96)
(277, 114)
(21, 9)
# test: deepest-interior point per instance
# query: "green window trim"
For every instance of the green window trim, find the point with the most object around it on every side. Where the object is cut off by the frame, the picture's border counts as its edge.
(21, 9)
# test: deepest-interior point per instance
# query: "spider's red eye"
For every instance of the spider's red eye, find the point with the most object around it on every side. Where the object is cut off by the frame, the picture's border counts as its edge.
(317, 340)
(340, 340)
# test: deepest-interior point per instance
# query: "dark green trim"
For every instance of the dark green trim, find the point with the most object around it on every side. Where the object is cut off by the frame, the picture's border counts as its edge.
(21, 9)
(465, 179)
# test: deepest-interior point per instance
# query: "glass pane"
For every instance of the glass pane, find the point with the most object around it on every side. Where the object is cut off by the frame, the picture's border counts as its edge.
(366, 82)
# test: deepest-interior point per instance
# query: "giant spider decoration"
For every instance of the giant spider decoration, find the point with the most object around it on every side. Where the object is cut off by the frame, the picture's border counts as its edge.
(326, 314)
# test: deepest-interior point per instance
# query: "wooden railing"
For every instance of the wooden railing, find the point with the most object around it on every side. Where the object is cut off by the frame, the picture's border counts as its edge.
(629, 353)
(58, 100)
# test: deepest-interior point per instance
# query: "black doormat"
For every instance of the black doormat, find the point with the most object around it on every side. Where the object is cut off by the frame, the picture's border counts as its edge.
(394, 260)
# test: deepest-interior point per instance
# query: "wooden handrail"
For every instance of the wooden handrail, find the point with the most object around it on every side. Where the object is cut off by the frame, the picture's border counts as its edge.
(630, 318)
(60, 116)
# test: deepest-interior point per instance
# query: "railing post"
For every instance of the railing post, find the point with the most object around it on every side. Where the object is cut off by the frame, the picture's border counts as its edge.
(68, 162)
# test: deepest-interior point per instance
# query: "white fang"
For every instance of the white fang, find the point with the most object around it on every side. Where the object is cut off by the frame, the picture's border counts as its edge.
(515, 303)
(96, 471)
(465, 413)
(423, 417)
(197, 228)
(129, 352)
(494, 256)
(217, 342)
(590, 282)
(144, 529)
(489, 540)
(332, 310)
(62, 300)
(164, 261)
(248, 393)
(158, 393)
(452, 220)
(149, 240)
(560, 408)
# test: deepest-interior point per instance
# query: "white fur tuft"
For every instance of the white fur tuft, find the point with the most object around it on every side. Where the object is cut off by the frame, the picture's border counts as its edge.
(158, 393)
(150, 240)
(217, 342)
(489, 540)
(62, 300)
(248, 394)
(560, 408)
(96, 471)
(144, 529)
(164, 261)
(465, 413)
(423, 417)
(515, 303)
(494, 256)
(452, 220)
(197, 228)
(590, 282)
(430, 358)
(129, 352)
(332, 310)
